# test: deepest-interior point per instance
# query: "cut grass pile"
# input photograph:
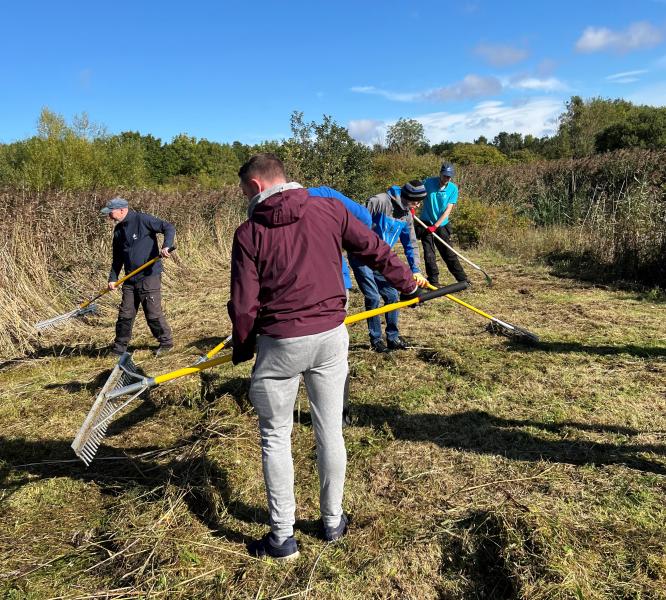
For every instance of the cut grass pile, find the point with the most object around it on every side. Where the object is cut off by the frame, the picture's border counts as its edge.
(477, 468)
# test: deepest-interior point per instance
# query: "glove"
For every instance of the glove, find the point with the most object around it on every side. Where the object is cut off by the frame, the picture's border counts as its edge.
(431, 229)
(420, 280)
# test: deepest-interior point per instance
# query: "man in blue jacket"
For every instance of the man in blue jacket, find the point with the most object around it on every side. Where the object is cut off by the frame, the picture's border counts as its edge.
(135, 243)
(392, 221)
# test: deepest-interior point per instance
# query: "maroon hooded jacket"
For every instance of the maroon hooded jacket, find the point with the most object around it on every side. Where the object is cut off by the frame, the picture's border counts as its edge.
(286, 268)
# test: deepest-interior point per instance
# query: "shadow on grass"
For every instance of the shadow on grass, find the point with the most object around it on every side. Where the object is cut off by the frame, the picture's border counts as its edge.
(483, 433)
(625, 275)
(206, 344)
(205, 484)
(477, 552)
(567, 347)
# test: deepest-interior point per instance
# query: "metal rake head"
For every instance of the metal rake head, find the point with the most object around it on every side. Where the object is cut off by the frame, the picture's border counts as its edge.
(93, 430)
(72, 314)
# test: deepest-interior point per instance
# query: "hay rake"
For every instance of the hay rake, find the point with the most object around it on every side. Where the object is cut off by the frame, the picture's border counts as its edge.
(125, 384)
(87, 307)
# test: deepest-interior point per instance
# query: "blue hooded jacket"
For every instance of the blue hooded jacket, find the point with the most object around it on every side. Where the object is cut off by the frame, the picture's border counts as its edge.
(391, 222)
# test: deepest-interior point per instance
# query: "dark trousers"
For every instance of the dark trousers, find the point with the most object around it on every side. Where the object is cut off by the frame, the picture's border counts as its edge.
(146, 293)
(429, 243)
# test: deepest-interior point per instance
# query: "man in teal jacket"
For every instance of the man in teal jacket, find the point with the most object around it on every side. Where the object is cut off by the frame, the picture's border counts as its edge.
(441, 198)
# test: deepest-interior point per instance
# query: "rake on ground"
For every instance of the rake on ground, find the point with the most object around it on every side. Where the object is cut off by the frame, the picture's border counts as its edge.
(87, 307)
(125, 384)
(489, 280)
(497, 326)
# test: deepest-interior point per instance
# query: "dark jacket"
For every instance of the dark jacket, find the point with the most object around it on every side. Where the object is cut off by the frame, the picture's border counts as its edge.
(135, 243)
(286, 262)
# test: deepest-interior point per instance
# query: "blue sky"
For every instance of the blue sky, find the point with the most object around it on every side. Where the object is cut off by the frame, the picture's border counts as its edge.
(236, 70)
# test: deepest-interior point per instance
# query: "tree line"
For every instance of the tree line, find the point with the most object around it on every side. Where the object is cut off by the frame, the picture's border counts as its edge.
(82, 155)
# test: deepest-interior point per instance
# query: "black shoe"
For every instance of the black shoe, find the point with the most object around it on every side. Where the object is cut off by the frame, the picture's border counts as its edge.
(346, 417)
(397, 344)
(434, 282)
(162, 350)
(333, 535)
(266, 547)
(379, 346)
(117, 351)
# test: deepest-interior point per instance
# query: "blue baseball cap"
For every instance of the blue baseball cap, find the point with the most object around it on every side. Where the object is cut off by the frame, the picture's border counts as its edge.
(113, 204)
(447, 170)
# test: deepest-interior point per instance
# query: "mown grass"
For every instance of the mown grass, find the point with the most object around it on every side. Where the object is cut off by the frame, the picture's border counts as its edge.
(478, 468)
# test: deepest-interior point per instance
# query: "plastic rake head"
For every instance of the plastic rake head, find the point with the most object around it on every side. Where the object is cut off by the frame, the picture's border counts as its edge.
(517, 334)
(72, 314)
(94, 427)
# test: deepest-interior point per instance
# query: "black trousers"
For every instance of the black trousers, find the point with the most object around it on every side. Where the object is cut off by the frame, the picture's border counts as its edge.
(429, 243)
(147, 293)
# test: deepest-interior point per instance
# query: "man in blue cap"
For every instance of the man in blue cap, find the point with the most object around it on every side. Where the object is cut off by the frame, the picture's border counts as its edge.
(135, 243)
(441, 198)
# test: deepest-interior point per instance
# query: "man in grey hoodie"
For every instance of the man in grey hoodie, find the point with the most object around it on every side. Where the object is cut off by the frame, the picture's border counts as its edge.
(392, 220)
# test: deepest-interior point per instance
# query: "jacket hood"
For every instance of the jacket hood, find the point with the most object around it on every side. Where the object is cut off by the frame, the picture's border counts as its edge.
(281, 208)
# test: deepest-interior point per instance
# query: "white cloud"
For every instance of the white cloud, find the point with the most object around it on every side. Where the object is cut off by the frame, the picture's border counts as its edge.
(397, 96)
(549, 84)
(535, 116)
(626, 76)
(500, 55)
(367, 131)
(638, 35)
(472, 86)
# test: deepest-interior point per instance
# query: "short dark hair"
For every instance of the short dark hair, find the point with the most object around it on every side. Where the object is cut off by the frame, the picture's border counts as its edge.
(265, 165)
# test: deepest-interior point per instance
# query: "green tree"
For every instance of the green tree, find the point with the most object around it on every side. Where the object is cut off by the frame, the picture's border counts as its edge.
(644, 128)
(407, 136)
(476, 154)
(583, 120)
(325, 154)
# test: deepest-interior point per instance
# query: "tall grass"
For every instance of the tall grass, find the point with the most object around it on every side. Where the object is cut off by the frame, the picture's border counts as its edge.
(613, 207)
(55, 248)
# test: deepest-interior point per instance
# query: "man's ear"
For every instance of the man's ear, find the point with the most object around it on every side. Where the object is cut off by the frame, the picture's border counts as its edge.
(256, 186)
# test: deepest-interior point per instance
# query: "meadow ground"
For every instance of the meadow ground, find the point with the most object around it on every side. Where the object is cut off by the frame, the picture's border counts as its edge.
(478, 468)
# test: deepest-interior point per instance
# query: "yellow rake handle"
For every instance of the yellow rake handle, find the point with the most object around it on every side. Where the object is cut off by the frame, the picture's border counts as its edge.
(106, 290)
(214, 362)
(478, 311)
(217, 348)
(194, 369)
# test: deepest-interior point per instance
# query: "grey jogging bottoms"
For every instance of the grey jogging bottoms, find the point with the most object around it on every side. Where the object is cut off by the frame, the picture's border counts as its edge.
(322, 360)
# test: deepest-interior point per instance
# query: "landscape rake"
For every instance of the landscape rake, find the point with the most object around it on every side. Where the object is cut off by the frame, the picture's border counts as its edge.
(87, 307)
(497, 326)
(125, 384)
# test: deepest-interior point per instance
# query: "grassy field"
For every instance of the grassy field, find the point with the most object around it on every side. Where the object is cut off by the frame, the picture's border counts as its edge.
(478, 468)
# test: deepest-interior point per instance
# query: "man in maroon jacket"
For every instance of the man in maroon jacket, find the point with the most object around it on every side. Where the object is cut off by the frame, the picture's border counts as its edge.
(288, 304)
